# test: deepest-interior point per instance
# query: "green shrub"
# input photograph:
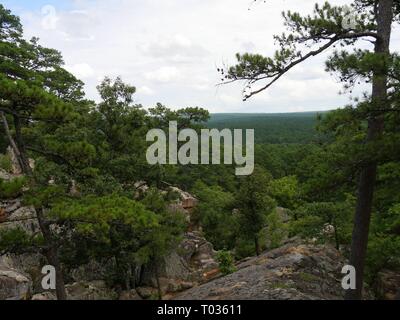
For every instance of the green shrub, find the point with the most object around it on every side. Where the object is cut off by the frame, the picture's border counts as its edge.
(276, 230)
(226, 262)
(12, 189)
(5, 162)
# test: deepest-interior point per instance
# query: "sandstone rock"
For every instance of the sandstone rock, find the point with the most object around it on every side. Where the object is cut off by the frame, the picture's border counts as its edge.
(19, 217)
(147, 292)
(3, 215)
(44, 296)
(293, 272)
(4, 175)
(14, 285)
(129, 295)
(94, 290)
(190, 263)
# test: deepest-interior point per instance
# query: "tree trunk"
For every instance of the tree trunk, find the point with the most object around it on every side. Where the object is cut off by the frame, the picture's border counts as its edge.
(11, 140)
(26, 169)
(160, 295)
(52, 256)
(369, 171)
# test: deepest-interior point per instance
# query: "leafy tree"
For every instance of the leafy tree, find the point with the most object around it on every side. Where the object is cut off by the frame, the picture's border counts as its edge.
(276, 230)
(315, 34)
(167, 237)
(226, 262)
(214, 214)
(254, 204)
(12, 189)
(326, 221)
(286, 192)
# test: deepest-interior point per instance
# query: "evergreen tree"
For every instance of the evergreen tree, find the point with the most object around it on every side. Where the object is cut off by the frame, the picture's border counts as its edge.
(254, 204)
(315, 34)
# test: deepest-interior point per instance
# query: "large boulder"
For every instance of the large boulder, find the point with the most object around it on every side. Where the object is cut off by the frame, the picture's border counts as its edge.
(190, 264)
(14, 285)
(292, 272)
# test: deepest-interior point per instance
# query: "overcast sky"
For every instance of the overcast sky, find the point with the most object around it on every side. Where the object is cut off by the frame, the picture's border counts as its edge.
(170, 49)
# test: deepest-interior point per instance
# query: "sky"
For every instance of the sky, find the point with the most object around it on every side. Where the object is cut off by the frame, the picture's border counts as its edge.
(170, 50)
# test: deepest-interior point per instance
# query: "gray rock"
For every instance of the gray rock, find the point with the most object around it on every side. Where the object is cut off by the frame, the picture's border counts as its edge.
(44, 296)
(130, 295)
(94, 290)
(147, 292)
(191, 262)
(293, 272)
(14, 285)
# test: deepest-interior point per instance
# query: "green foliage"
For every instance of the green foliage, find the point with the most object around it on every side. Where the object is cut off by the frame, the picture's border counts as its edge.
(254, 204)
(13, 188)
(226, 262)
(18, 241)
(307, 227)
(5, 162)
(271, 128)
(100, 149)
(286, 192)
(243, 248)
(214, 213)
(276, 230)
(326, 221)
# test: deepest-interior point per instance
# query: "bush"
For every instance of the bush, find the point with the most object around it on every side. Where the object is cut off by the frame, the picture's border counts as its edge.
(12, 189)
(5, 162)
(276, 230)
(226, 262)
(244, 248)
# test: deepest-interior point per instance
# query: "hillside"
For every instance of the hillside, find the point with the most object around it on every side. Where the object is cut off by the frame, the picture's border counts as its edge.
(270, 128)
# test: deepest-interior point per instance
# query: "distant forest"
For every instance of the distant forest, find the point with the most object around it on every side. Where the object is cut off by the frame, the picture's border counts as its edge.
(272, 128)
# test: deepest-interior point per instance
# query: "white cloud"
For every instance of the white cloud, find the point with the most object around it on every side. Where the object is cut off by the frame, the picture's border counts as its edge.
(81, 70)
(144, 90)
(50, 17)
(164, 75)
(176, 47)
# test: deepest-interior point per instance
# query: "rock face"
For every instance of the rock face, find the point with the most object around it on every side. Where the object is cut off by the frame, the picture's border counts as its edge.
(94, 290)
(388, 285)
(190, 264)
(15, 215)
(14, 285)
(292, 272)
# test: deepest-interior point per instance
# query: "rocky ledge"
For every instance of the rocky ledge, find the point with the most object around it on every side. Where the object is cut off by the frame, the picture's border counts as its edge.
(292, 272)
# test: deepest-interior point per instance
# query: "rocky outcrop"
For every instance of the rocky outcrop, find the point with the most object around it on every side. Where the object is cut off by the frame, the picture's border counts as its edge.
(18, 273)
(191, 264)
(388, 285)
(94, 290)
(44, 296)
(292, 272)
(15, 215)
(131, 295)
(14, 285)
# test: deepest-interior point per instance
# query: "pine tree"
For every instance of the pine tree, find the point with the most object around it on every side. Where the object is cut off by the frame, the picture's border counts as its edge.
(254, 204)
(312, 35)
